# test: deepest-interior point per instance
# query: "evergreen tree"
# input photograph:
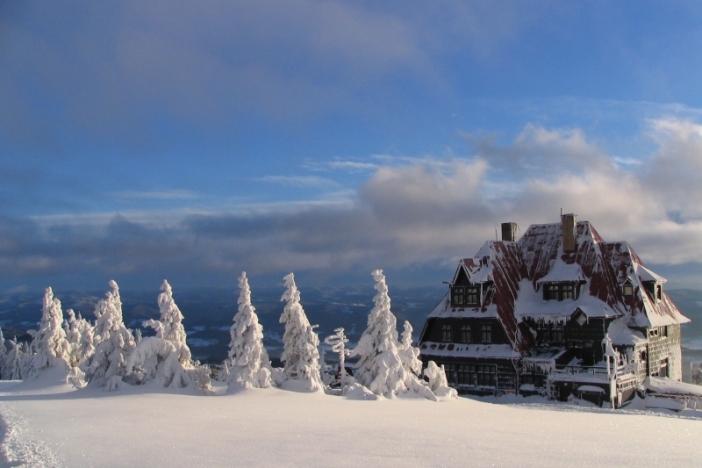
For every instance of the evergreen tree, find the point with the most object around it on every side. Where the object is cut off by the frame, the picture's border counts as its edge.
(166, 357)
(300, 342)
(79, 334)
(408, 353)
(436, 376)
(113, 342)
(248, 360)
(49, 343)
(380, 367)
(3, 357)
(338, 341)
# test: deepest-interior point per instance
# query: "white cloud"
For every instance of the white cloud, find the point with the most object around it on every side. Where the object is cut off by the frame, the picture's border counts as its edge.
(423, 211)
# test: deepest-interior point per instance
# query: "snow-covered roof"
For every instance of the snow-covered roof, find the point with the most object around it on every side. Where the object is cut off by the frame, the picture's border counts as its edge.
(514, 274)
(621, 335)
(647, 275)
(477, 351)
(545, 355)
(562, 272)
(672, 387)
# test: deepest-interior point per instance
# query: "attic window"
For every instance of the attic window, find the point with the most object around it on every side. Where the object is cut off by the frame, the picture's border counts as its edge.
(560, 291)
(462, 296)
(628, 289)
(654, 289)
(473, 295)
(458, 297)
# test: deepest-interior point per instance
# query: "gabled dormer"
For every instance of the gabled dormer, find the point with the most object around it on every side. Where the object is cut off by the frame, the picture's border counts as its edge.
(464, 293)
(627, 288)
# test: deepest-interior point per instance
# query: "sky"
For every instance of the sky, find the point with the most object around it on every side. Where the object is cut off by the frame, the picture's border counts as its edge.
(194, 140)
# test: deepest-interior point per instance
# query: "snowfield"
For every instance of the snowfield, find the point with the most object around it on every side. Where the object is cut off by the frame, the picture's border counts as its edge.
(54, 425)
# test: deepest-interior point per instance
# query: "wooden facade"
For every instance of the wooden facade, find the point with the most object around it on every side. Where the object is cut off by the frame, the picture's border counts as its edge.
(559, 312)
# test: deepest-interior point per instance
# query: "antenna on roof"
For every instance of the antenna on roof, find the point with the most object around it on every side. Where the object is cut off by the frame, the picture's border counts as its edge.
(496, 234)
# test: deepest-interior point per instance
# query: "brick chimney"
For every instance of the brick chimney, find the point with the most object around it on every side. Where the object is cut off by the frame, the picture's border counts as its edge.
(509, 232)
(568, 222)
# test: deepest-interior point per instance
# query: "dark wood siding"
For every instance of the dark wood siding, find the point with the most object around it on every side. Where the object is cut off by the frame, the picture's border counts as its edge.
(434, 330)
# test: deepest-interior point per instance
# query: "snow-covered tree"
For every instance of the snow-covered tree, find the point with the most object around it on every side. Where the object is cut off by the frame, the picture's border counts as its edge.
(3, 356)
(113, 342)
(248, 364)
(79, 334)
(50, 346)
(18, 361)
(380, 367)
(300, 342)
(408, 353)
(436, 376)
(166, 358)
(338, 341)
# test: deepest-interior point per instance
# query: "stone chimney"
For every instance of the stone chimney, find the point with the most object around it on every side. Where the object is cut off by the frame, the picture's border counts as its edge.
(568, 222)
(509, 232)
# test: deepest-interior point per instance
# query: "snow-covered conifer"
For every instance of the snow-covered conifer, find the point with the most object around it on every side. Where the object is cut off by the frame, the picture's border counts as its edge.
(79, 334)
(300, 342)
(380, 366)
(436, 376)
(248, 364)
(166, 358)
(408, 353)
(49, 344)
(113, 342)
(338, 341)
(17, 361)
(3, 356)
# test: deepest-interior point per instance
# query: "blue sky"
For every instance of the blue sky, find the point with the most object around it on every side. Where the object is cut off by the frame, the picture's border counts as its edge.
(143, 140)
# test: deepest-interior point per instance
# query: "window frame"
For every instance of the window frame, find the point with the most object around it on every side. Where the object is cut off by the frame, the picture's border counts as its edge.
(466, 334)
(446, 333)
(486, 333)
(458, 296)
(566, 291)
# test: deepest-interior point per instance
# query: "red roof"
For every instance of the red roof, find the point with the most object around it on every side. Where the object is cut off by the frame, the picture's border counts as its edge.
(516, 270)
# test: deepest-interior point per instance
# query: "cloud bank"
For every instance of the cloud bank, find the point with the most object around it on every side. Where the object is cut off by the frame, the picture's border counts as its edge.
(428, 211)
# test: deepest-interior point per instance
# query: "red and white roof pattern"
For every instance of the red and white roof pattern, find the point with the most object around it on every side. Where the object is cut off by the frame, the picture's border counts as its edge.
(517, 271)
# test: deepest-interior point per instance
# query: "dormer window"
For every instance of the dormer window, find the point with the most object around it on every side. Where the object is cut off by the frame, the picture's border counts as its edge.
(560, 291)
(655, 290)
(627, 289)
(458, 296)
(473, 295)
(465, 296)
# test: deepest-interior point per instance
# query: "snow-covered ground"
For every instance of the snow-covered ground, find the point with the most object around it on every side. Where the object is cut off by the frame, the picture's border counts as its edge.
(47, 426)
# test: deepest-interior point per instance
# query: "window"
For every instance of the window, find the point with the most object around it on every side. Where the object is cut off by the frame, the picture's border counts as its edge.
(486, 376)
(486, 333)
(458, 296)
(465, 334)
(560, 291)
(567, 291)
(445, 332)
(474, 375)
(655, 290)
(473, 295)
(581, 319)
(552, 292)
(628, 289)
(663, 331)
(557, 334)
(663, 369)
